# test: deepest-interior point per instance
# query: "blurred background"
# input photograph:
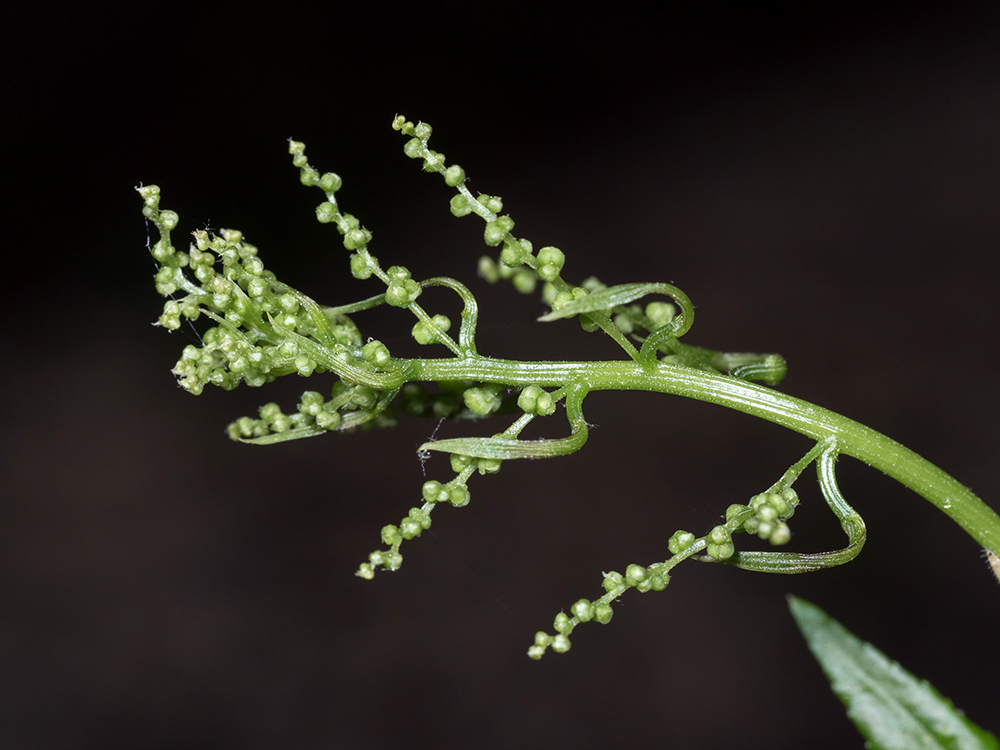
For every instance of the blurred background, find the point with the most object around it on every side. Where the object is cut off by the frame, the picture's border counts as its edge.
(823, 185)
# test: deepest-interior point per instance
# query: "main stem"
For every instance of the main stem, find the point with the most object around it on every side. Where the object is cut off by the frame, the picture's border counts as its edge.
(853, 438)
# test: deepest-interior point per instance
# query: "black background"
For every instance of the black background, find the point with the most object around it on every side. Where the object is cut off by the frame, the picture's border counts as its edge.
(822, 185)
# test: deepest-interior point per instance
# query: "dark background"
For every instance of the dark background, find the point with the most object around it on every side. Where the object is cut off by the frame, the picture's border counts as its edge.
(822, 185)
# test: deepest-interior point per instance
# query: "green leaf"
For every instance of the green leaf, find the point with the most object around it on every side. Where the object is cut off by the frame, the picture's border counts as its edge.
(615, 296)
(889, 706)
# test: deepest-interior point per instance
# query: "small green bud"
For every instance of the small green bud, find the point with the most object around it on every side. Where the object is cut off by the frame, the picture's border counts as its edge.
(402, 293)
(458, 495)
(171, 317)
(482, 400)
(515, 252)
(613, 580)
(525, 281)
(409, 528)
(562, 623)
(357, 238)
(494, 233)
(423, 131)
(288, 350)
(548, 272)
(311, 403)
(583, 610)
(365, 571)
(550, 262)
(781, 534)
(328, 420)
(421, 516)
(304, 365)
(488, 270)
(390, 534)
(150, 194)
(270, 412)
(161, 251)
(423, 334)
(549, 294)
(202, 242)
(434, 492)
(460, 463)
(767, 513)
(720, 544)
(561, 644)
(779, 504)
(509, 255)
(659, 582)
(376, 353)
(253, 266)
(535, 400)
(413, 148)
(719, 535)
(360, 268)
(308, 176)
(326, 212)
(781, 507)
(491, 203)
(296, 147)
(561, 299)
(330, 182)
(734, 510)
(362, 396)
(398, 273)
(720, 552)
(635, 575)
(460, 205)
(454, 176)
(680, 541)
(489, 465)
(603, 613)
(660, 313)
(169, 219)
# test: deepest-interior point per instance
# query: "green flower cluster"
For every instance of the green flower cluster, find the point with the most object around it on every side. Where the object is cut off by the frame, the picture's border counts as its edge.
(765, 515)
(254, 312)
(643, 579)
(349, 406)
(433, 492)
(769, 513)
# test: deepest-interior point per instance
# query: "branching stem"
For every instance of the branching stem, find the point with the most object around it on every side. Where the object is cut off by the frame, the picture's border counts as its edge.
(852, 438)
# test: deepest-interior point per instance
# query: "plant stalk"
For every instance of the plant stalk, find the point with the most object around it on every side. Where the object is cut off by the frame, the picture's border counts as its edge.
(852, 438)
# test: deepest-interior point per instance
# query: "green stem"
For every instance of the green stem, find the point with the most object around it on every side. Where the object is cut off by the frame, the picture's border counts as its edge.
(852, 438)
